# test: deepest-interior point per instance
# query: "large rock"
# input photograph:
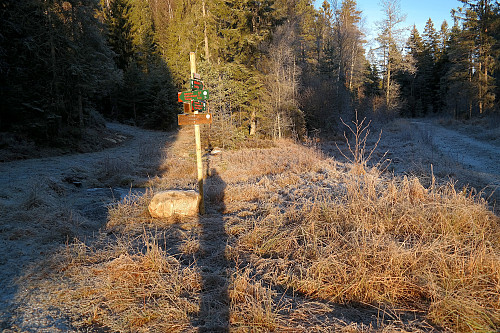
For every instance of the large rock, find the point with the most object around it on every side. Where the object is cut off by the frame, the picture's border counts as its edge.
(169, 203)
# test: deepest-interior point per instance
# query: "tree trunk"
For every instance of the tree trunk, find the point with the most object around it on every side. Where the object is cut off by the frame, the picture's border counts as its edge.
(54, 85)
(279, 127)
(253, 122)
(480, 90)
(353, 60)
(207, 53)
(80, 108)
(387, 93)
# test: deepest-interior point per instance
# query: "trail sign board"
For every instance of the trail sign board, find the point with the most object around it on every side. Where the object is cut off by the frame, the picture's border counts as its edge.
(194, 119)
(200, 106)
(196, 95)
(195, 106)
(196, 84)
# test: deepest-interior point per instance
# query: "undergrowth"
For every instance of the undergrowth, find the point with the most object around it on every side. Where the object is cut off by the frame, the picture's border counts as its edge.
(304, 234)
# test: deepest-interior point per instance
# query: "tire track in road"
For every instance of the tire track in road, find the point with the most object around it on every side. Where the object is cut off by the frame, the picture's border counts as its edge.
(478, 156)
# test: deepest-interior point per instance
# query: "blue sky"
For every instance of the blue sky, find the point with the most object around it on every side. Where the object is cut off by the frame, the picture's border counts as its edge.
(417, 12)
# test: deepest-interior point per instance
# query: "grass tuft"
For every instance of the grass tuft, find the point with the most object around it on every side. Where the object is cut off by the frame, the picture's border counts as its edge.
(122, 290)
(304, 235)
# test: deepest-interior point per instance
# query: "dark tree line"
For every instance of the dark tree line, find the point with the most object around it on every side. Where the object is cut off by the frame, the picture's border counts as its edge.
(64, 64)
(53, 62)
(453, 70)
(275, 68)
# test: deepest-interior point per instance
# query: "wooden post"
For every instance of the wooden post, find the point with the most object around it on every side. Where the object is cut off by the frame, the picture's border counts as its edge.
(199, 165)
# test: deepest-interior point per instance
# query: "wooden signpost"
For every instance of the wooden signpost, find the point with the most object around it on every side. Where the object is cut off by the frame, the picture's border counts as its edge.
(194, 119)
(195, 102)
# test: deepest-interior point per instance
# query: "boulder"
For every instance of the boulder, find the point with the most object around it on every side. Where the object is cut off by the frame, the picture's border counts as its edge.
(173, 202)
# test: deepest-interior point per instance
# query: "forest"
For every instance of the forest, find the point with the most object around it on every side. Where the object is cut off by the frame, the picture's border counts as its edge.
(274, 68)
(317, 232)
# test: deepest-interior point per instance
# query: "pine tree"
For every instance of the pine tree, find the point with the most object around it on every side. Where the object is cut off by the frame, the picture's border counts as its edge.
(412, 85)
(117, 20)
(477, 18)
(427, 68)
(494, 32)
(310, 30)
(142, 33)
(57, 65)
(146, 95)
(442, 66)
(390, 42)
(347, 40)
(431, 40)
(460, 88)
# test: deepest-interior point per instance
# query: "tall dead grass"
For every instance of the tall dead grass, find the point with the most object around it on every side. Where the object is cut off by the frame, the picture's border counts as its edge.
(117, 288)
(299, 227)
(386, 242)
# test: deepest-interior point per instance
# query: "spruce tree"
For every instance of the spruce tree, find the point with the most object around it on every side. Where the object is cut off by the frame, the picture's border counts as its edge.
(56, 65)
(389, 39)
(477, 18)
(413, 85)
(119, 26)
(459, 83)
(427, 68)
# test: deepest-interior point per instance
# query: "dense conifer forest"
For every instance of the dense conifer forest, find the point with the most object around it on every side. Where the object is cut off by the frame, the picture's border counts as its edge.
(275, 68)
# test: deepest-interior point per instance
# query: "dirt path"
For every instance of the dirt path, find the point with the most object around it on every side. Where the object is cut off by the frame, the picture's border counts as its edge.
(473, 154)
(45, 202)
(470, 161)
(423, 146)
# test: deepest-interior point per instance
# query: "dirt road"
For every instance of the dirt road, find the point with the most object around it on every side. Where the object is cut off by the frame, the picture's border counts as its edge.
(472, 162)
(475, 155)
(45, 202)
(423, 146)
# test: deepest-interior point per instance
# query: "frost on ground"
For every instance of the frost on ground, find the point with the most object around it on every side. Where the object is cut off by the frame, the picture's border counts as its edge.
(425, 148)
(47, 203)
(470, 161)
(473, 154)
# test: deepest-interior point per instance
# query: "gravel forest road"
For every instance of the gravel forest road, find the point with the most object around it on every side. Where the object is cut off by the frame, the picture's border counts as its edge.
(45, 202)
(475, 160)
(476, 155)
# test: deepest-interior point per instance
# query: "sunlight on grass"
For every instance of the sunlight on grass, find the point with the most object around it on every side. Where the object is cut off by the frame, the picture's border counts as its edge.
(304, 234)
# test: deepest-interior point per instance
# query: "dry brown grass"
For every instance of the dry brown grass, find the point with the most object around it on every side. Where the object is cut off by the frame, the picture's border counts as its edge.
(121, 289)
(302, 235)
(388, 242)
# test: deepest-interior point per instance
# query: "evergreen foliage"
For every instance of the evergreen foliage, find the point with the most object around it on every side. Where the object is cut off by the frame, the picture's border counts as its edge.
(146, 94)
(276, 67)
(54, 64)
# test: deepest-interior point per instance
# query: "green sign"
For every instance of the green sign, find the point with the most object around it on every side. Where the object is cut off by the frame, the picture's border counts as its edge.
(196, 84)
(196, 95)
(200, 106)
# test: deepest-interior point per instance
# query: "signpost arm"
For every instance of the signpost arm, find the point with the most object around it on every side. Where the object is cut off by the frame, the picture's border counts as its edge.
(199, 165)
